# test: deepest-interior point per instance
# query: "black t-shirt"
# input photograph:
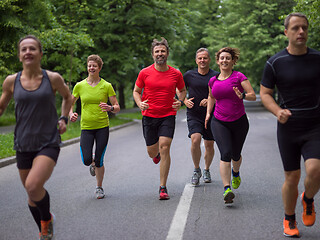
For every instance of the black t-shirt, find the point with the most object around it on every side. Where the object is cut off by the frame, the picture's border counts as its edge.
(197, 86)
(297, 78)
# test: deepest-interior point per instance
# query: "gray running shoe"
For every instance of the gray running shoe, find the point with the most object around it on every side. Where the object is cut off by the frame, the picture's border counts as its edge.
(92, 170)
(99, 193)
(206, 176)
(195, 180)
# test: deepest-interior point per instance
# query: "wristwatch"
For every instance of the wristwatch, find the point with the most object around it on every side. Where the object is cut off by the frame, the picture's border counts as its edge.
(182, 103)
(112, 108)
(64, 118)
(243, 95)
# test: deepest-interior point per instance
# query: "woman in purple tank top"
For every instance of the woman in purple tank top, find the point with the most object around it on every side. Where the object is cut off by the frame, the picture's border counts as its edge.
(229, 124)
(36, 134)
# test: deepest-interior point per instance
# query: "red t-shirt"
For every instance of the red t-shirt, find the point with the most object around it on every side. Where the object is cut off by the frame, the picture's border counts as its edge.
(159, 88)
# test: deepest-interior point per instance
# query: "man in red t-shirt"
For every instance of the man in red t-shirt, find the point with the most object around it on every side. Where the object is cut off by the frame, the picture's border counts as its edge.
(159, 107)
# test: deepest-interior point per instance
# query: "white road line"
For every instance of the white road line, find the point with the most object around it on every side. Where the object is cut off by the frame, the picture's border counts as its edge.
(180, 217)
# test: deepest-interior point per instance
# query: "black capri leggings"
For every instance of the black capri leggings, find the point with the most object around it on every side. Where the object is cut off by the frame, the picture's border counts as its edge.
(230, 137)
(101, 136)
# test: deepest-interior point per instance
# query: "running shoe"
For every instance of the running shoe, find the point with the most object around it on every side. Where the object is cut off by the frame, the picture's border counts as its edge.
(92, 170)
(156, 159)
(47, 228)
(206, 176)
(236, 182)
(195, 180)
(228, 196)
(163, 193)
(290, 228)
(99, 193)
(308, 214)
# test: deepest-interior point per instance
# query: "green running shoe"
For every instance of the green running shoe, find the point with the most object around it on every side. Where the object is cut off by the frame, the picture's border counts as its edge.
(228, 196)
(236, 182)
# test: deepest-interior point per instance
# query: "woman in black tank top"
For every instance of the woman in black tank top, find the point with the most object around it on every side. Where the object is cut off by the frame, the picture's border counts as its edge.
(37, 137)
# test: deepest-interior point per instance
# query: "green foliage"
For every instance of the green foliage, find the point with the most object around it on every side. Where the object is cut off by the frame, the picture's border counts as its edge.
(252, 26)
(311, 9)
(6, 143)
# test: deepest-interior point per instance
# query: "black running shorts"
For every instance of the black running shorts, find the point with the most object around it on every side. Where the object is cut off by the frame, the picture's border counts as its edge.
(296, 140)
(25, 159)
(153, 128)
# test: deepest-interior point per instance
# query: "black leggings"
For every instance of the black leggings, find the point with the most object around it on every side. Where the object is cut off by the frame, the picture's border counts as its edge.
(230, 137)
(101, 136)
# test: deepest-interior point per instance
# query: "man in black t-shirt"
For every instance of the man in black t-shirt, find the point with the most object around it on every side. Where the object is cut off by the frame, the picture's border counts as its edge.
(295, 71)
(197, 83)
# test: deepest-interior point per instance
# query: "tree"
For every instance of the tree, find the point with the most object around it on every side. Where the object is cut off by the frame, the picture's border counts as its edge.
(252, 26)
(123, 32)
(311, 9)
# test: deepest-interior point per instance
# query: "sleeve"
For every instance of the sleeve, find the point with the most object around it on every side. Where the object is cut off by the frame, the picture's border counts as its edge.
(211, 81)
(185, 79)
(268, 78)
(75, 91)
(140, 79)
(180, 82)
(241, 77)
(111, 91)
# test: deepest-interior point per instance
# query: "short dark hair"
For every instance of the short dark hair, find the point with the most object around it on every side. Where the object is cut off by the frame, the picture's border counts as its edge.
(295, 14)
(156, 42)
(202, 50)
(32, 37)
(235, 53)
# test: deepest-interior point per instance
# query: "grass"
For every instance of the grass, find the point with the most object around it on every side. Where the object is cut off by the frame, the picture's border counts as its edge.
(7, 119)
(73, 131)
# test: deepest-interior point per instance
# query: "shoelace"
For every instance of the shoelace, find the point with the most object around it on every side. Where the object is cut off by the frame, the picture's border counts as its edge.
(163, 190)
(292, 224)
(309, 209)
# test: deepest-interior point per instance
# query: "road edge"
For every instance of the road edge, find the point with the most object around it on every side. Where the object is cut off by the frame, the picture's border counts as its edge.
(10, 160)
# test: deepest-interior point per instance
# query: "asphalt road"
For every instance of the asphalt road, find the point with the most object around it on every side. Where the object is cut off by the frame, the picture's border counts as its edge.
(131, 209)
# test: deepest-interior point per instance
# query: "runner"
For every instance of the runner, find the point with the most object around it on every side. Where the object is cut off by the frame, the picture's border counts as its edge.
(94, 93)
(296, 74)
(36, 136)
(229, 124)
(196, 81)
(159, 107)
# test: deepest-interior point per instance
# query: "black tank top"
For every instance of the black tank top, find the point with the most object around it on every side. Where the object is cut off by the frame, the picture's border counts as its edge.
(36, 117)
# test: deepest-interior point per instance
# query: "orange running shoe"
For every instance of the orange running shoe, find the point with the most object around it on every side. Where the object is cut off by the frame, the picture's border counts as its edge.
(308, 214)
(290, 228)
(47, 228)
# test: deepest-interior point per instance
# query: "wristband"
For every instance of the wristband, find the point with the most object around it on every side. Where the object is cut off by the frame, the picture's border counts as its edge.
(243, 95)
(64, 118)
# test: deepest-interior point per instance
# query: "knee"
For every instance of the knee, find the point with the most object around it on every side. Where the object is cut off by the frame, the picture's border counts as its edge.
(87, 161)
(196, 142)
(32, 188)
(314, 174)
(292, 179)
(226, 157)
(164, 149)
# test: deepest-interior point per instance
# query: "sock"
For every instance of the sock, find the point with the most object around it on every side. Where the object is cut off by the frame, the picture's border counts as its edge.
(307, 200)
(226, 187)
(290, 217)
(197, 170)
(235, 174)
(44, 207)
(36, 216)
